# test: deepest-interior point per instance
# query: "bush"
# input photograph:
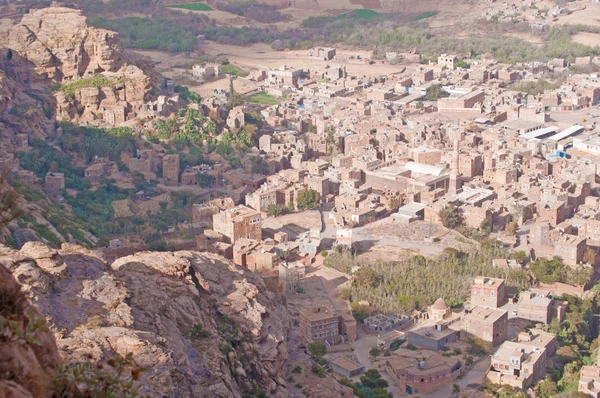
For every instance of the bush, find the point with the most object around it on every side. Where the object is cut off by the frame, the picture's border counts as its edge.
(324, 253)
(317, 349)
(374, 352)
(198, 332)
(297, 370)
(411, 347)
(316, 369)
(449, 216)
(308, 199)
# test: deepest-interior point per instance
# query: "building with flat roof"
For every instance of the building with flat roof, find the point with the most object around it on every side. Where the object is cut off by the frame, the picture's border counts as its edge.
(319, 324)
(171, 169)
(239, 222)
(424, 375)
(433, 337)
(488, 292)
(518, 365)
(488, 324)
(346, 367)
(54, 181)
(589, 381)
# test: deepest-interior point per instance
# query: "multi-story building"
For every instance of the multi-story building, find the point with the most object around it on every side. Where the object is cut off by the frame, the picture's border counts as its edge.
(261, 199)
(488, 292)
(54, 181)
(202, 212)
(171, 169)
(488, 324)
(589, 381)
(95, 172)
(319, 324)
(424, 375)
(468, 103)
(517, 364)
(240, 222)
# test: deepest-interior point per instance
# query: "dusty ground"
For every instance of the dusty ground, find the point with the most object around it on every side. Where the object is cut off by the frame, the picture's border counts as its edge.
(121, 208)
(387, 232)
(261, 56)
(294, 224)
(588, 16)
(589, 39)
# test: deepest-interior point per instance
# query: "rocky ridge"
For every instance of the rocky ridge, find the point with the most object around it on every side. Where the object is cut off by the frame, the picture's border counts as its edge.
(87, 66)
(194, 323)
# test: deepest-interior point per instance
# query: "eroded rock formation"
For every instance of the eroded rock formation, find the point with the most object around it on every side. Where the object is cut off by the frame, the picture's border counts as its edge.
(95, 79)
(197, 325)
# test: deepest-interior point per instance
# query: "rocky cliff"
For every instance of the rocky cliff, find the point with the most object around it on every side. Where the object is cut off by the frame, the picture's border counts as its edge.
(90, 72)
(189, 324)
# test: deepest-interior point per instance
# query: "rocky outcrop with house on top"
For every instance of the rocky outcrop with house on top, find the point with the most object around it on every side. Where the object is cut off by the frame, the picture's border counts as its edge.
(55, 45)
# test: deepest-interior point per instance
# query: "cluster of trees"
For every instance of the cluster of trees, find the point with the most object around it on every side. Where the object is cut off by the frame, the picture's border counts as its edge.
(535, 88)
(94, 141)
(308, 199)
(390, 35)
(551, 271)
(435, 92)
(371, 385)
(251, 9)
(578, 338)
(151, 34)
(414, 282)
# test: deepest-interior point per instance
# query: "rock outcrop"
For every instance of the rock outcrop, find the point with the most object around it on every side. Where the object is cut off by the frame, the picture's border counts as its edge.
(194, 323)
(98, 81)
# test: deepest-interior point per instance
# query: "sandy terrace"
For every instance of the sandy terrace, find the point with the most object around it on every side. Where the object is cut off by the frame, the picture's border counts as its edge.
(589, 39)
(588, 16)
(261, 56)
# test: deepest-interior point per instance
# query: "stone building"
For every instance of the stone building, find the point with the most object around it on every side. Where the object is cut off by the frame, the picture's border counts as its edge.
(54, 181)
(518, 365)
(240, 222)
(488, 292)
(319, 324)
(202, 212)
(440, 310)
(171, 169)
(487, 324)
(95, 172)
(425, 375)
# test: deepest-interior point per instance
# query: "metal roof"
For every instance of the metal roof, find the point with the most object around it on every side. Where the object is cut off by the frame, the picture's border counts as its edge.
(540, 133)
(566, 133)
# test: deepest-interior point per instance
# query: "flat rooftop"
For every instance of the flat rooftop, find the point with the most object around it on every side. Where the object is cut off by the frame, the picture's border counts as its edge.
(490, 314)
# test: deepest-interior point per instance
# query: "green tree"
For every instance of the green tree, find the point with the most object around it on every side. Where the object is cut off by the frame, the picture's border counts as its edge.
(546, 389)
(365, 277)
(372, 378)
(274, 210)
(449, 216)
(317, 349)
(462, 64)
(205, 180)
(485, 226)
(308, 199)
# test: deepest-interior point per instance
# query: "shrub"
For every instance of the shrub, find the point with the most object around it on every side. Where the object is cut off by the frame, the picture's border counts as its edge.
(317, 349)
(198, 332)
(316, 369)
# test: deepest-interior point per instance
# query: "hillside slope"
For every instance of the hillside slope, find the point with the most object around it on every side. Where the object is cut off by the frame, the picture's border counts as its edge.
(193, 324)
